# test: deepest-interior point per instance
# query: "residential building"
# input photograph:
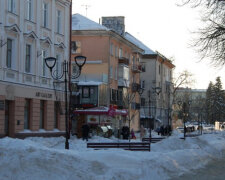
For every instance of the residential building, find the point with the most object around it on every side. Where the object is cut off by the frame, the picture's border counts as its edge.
(113, 62)
(156, 80)
(30, 31)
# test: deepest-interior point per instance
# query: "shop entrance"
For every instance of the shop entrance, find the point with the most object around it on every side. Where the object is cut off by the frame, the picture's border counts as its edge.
(8, 116)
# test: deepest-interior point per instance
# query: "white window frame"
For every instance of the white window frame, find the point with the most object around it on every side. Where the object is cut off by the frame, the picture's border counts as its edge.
(111, 49)
(59, 20)
(120, 52)
(45, 14)
(29, 8)
(12, 6)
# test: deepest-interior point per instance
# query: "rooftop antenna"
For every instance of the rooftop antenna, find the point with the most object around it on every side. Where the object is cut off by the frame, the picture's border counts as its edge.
(86, 7)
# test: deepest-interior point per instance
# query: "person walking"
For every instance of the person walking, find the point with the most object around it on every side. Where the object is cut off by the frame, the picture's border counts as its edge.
(85, 131)
(132, 134)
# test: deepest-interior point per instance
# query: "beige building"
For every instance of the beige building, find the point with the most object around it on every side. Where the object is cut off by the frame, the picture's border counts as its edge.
(31, 30)
(112, 61)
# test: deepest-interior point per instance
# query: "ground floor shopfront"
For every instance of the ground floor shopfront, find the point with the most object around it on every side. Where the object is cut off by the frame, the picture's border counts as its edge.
(101, 120)
(29, 111)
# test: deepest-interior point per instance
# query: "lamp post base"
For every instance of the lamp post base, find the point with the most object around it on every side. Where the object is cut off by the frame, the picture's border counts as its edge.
(67, 144)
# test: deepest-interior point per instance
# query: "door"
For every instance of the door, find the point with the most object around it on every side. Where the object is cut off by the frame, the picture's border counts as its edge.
(6, 127)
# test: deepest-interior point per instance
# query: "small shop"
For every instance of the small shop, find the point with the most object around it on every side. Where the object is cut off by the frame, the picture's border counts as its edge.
(103, 121)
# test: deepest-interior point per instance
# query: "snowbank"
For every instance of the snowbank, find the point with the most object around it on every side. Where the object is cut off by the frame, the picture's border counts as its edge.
(46, 158)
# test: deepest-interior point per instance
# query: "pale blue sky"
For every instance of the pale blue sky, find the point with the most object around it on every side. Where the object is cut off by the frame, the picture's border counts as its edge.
(160, 25)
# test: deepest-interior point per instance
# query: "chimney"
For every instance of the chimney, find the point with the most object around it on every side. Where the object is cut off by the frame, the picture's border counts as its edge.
(115, 23)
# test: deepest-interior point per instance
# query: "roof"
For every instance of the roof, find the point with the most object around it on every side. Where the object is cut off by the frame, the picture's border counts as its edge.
(80, 22)
(138, 43)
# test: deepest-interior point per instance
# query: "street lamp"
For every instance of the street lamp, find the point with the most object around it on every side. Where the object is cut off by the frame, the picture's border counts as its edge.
(185, 113)
(157, 90)
(50, 63)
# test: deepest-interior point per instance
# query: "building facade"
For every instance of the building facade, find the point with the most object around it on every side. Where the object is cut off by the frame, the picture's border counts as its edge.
(156, 80)
(112, 60)
(31, 30)
(157, 97)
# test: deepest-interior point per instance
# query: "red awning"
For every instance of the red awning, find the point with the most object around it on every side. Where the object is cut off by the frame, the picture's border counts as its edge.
(102, 111)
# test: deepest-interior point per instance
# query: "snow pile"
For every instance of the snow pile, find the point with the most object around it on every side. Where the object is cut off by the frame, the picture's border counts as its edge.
(46, 158)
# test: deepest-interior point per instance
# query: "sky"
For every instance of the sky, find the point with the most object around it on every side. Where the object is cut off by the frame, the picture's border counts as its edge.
(162, 26)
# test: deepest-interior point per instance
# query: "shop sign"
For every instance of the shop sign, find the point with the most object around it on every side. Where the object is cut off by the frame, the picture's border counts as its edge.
(2, 105)
(43, 95)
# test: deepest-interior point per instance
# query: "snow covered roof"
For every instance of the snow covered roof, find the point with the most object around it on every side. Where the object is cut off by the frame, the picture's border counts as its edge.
(80, 22)
(138, 43)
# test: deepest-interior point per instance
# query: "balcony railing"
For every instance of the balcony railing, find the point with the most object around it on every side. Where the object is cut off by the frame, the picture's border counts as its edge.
(138, 68)
(123, 60)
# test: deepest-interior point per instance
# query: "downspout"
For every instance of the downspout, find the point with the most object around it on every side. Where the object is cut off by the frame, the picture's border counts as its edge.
(69, 83)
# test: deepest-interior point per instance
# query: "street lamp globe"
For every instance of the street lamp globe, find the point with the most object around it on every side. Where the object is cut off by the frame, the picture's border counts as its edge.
(80, 61)
(50, 62)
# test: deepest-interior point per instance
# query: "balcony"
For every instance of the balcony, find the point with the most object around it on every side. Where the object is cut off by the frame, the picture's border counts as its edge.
(123, 60)
(138, 68)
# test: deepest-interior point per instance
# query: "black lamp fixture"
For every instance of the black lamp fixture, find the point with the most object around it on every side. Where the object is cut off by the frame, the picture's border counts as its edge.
(50, 63)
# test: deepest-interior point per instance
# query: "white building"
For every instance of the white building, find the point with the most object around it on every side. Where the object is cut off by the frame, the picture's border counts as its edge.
(31, 30)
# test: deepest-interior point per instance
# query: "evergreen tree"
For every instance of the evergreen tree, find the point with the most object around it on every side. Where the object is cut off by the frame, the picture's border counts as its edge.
(209, 102)
(215, 102)
(218, 100)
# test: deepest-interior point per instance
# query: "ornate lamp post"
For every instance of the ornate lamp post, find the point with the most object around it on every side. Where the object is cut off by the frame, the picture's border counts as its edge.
(50, 63)
(157, 90)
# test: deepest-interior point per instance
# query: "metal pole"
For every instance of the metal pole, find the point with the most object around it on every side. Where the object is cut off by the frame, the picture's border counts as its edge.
(149, 102)
(184, 117)
(65, 69)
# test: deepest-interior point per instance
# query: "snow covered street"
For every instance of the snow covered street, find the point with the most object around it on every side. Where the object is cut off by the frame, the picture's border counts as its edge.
(46, 158)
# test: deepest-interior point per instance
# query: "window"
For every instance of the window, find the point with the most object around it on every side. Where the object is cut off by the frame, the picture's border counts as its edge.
(120, 52)
(116, 51)
(111, 49)
(85, 92)
(159, 69)
(76, 47)
(12, 6)
(29, 9)
(28, 59)
(43, 63)
(9, 54)
(142, 101)
(114, 95)
(27, 114)
(143, 84)
(58, 21)
(45, 15)
(111, 72)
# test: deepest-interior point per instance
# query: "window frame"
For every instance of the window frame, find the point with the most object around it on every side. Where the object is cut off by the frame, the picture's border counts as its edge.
(28, 58)
(9, 60)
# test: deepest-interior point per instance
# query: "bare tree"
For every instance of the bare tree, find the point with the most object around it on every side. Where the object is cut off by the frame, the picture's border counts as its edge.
(183, 79)
(210, 42)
